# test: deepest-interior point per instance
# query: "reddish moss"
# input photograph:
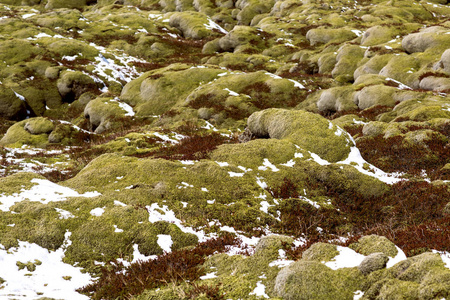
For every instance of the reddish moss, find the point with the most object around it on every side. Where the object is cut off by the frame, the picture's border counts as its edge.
(119, 282)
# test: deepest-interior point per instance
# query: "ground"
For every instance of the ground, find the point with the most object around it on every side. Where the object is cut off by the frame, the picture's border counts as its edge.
(224, 149)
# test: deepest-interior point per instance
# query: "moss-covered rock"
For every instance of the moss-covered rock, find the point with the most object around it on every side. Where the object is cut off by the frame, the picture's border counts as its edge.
(296, 126)
(374, 244)
(373, 262)
(313, 280)
(101, 113)
(320, 252)
(18, 135)
(192, 24)
(72, 84)
(329, 35)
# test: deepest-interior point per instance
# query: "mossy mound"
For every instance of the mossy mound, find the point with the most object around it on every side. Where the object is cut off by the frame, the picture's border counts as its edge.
(372, 244)
(33, 132)
(296, 126)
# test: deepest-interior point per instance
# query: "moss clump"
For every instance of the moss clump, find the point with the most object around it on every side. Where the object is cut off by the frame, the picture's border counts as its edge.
(31, 266)
(17, 135)
(313, 280)
(15, 182)
(320, 252)
(374, 243)
(307, 130)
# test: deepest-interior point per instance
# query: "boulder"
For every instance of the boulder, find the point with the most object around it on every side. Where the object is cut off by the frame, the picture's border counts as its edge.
(12, 107)
(444, 62)
(307, 130)
(374, 95)
(192, 24)
(373, 262)
(433, 83)
(374, 244)
(72, 84)
(39, 125)
(329, 35)
(430, 37)
(304, 280)
(320, 252)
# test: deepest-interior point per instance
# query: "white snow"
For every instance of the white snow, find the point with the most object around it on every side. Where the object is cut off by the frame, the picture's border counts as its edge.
(398, 258)
(213, 25)
(97, 212)
(222, 164)
(165, 242)
(358, 295)
(347, 258)
(157, 213)
(64, 214)
(26, 16)
(19, 96)
(127, 108)
(44, 191)
(357, 32)
(261, 183)
(209, 276)
(47, 279)
(234, 174)
(204, 189)
(290, 163)
(297, 84)
(116, 229)
(265, 206)
(118, 203)
(260, 290)
(230, 92)
(268, 165)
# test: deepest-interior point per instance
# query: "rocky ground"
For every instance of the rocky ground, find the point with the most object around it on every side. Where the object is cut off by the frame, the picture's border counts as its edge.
(250, 149)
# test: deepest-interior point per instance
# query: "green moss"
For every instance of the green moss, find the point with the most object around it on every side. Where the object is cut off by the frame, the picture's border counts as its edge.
(314, 280)
(320, 252)
(31, 266)
(16, 51)
(15, 182)
(309, 131)
(329, 35)
(374, 243)
(149, 92)
(17, 135)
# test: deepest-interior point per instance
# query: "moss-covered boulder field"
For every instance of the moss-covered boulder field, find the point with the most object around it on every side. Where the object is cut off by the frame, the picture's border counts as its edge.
(223, 149)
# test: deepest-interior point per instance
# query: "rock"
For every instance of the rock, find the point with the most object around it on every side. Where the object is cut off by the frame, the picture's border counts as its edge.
(400, 68)
(433, 83)
(11, 106)
(320, 252)
(191, 24)
(329, 35)
(101, 113)
(52, 4)
(374, 128)
(444, 62)
(337, 99)
(430, 37)
(313, 280)
(377, 35)
(374, 95)
(39, 126)
(307, 130)
(348, 58)
(16, 136)
(239, 37)
(373, 244)
(72, 84)
(270, 245)
(373, 66)
(373, 262)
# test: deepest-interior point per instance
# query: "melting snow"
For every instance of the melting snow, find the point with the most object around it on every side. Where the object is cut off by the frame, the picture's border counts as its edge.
(213, 25)
(97, 212)
(445, 256)
(398, 258)
(358, 295)
(45, 191)
(222, 164)
(260, 290)
(230, 92)
(268, 165)
(116, 229)
(47, 281)
(208, 276)
(165, 242)
(234, 174)
(64, 214)
(347, 258)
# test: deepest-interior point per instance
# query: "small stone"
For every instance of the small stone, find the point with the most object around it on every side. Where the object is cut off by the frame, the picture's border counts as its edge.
(373, 262)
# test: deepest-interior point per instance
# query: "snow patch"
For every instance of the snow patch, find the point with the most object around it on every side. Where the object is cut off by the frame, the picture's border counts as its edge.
(260, 290)
(347, 258)
(165, 242)
(44, 191)
(97, 212)
(48, 278)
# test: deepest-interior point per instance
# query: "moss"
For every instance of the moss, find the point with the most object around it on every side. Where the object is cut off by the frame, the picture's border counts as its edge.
(329, 35)
(72, 84)
(348, 58)
(31, 266)
(253, 153)
(320, 252)
(374, 243)
(16, 51)
(101, 113)
(398, 289)
(149, 92)
(16, 136)
(314, 280)
(191, 24)
(13, 183)
(296, 127)
(68, 47)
